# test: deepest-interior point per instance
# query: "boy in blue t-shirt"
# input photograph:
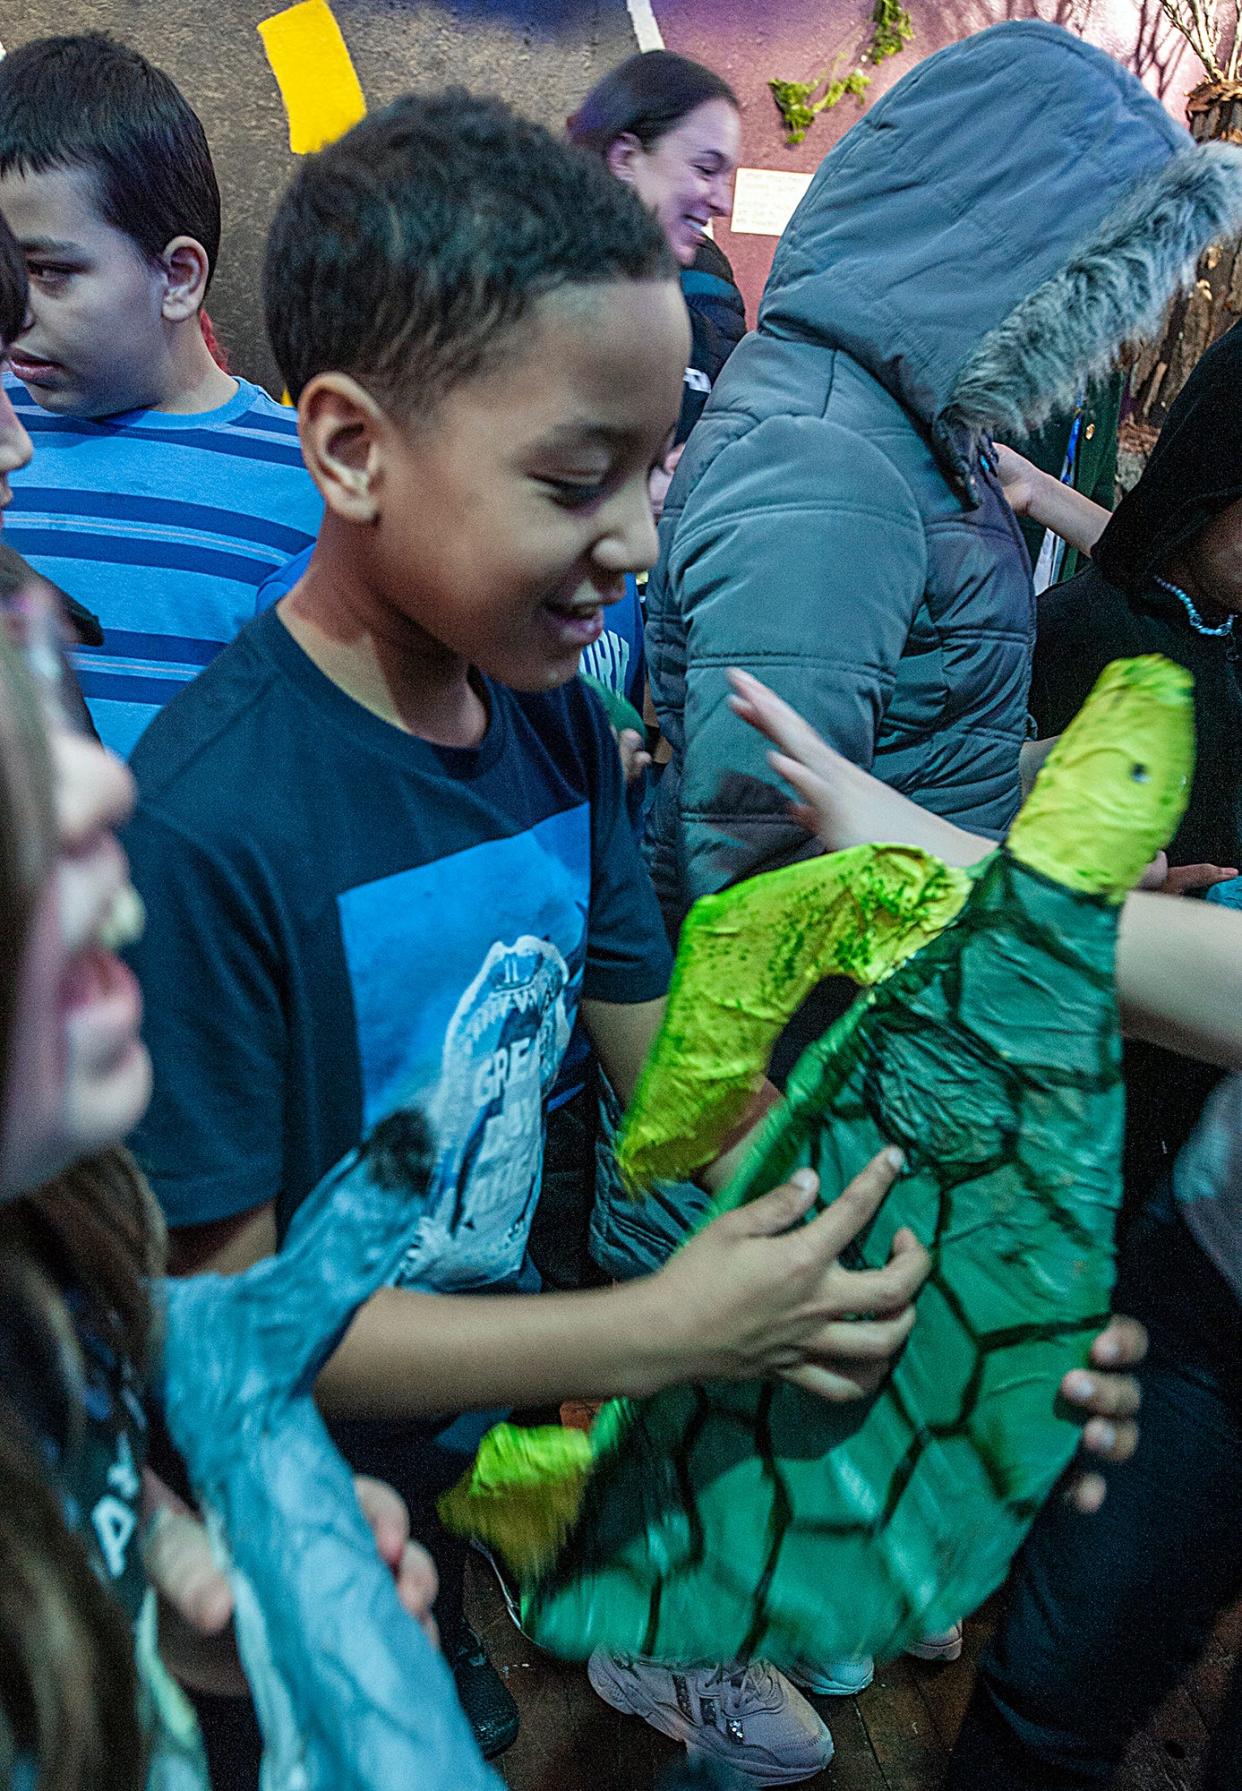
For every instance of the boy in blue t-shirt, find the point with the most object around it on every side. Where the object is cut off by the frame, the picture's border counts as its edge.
(164, 491)
(385, 852)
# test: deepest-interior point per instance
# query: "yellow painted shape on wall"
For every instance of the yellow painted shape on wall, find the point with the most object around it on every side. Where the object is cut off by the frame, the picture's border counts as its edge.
(317, 81)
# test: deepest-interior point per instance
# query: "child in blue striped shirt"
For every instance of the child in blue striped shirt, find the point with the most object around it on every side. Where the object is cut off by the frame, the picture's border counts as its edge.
(164, 491)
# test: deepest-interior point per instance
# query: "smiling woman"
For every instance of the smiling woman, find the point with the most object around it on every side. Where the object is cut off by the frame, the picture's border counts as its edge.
(671, 129)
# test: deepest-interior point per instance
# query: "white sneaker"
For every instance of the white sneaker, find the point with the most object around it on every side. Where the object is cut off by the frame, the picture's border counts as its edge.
(750, 1718)
(843, 1678)
(942, 1647)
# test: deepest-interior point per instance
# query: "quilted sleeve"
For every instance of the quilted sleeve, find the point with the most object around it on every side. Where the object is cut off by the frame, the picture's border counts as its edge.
(801, 557)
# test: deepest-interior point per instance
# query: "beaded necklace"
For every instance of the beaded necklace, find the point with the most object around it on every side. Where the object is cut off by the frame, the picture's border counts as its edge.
(1192, 615)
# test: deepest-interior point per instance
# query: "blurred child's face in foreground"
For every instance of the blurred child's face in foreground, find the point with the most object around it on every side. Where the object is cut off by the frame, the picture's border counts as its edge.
(92, 345)
(80, 1077)
(15, 447)
(507, 520)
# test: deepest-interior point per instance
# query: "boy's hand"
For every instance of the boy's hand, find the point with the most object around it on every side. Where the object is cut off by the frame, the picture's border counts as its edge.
(760, 1293)
(1109, 1396)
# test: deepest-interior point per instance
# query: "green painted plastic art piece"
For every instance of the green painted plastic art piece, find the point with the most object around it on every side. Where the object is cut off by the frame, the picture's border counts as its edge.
(751, 1519)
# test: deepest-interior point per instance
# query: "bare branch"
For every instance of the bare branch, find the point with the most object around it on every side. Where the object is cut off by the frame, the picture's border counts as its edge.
(1196, 21)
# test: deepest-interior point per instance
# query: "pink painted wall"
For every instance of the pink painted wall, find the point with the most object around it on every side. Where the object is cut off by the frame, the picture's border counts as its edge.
(750, 41)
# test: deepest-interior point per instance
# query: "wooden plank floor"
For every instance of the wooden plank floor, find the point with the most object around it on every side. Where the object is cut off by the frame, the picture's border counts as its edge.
(895, 1736)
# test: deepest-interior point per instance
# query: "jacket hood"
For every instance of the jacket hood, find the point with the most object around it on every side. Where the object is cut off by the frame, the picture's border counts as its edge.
(987, 236)
(1195, 470)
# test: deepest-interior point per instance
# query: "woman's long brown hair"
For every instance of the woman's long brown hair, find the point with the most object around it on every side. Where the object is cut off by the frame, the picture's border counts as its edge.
(68, 1691)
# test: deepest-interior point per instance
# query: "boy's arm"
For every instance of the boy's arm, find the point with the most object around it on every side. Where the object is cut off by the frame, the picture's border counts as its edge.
(756, 1293)
(1179, 964)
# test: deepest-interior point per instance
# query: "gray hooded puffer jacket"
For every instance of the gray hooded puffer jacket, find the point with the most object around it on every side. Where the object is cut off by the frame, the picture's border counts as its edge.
(979, 244)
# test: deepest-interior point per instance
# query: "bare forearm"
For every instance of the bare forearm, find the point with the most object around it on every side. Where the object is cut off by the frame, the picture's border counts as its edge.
(1179, 962)
(1078, 519)
(1179, 976)
(410, 1354)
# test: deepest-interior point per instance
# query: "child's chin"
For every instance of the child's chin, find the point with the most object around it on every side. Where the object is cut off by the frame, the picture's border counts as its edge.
(537, 675)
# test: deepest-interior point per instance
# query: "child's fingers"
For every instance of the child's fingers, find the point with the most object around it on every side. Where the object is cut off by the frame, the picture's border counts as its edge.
(856, 1205)
(809, 784)
(861, 1339)
(1111, 1441)
(1121, 1344)
(1103, 1395)
(1086, 1492)
(891, 1289)
(417, 1585)
(779, 1209)
(180, 1565)
(1184, 879)
(385, 1511)
(783, 726)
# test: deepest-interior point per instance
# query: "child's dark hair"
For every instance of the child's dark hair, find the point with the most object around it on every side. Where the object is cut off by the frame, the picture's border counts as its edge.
(646, 96)
(405, 253)
(13, 290)
(89, 102)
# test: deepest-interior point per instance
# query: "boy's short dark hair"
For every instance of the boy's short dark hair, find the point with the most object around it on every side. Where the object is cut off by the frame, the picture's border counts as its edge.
(13, 288)
(89, 102)
(404, 253)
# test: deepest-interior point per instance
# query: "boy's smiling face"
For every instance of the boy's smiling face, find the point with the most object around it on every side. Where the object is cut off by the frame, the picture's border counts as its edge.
(93, 343)
(502, 525)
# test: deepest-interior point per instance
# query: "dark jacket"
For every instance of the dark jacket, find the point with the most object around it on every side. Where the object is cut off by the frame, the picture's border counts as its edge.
(834, 524)
(1116, 609)
(1085, 623)
(717, 325)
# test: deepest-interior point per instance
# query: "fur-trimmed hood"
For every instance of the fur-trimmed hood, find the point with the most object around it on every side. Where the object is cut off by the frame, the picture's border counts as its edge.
(988, 235)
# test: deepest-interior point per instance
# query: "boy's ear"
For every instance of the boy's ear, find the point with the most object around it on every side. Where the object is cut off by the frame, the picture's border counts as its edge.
(621, 156)
(186, 272)
(342, 429)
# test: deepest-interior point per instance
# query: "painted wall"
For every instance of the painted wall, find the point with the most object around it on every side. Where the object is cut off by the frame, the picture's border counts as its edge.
(542, 55)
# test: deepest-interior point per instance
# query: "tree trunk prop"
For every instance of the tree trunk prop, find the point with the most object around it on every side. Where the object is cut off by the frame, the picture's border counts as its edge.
(1214, 302)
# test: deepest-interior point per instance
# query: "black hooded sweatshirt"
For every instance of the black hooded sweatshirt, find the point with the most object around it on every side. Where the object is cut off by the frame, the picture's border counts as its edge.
(1114, 610)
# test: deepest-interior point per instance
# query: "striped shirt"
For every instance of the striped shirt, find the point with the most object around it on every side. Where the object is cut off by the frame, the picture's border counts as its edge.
(165, 526)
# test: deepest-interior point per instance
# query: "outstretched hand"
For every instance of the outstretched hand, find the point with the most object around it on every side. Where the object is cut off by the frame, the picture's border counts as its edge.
(844, 805)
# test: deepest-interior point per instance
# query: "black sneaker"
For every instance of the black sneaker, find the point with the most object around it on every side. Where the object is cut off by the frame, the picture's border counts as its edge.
(489, 1709)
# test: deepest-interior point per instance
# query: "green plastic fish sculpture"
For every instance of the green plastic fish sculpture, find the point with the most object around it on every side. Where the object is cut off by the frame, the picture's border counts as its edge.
(751, 1520)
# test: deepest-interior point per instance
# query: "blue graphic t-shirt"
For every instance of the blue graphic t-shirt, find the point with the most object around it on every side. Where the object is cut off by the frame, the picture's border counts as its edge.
(165, 526)
(344, 921)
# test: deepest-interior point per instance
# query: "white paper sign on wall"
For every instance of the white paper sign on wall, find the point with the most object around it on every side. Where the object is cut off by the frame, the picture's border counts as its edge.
(764, 200)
